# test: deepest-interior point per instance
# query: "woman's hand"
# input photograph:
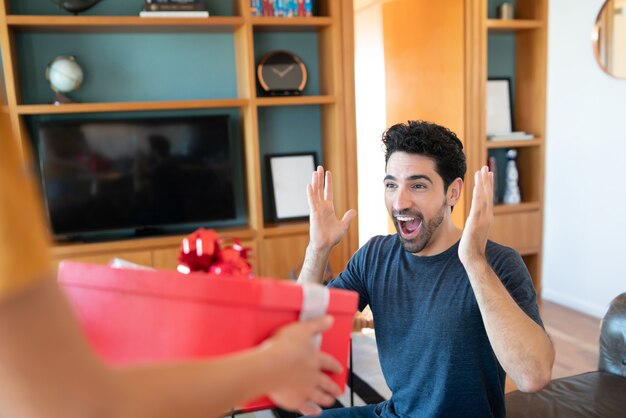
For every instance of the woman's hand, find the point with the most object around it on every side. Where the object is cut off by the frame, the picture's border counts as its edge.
(301, 383)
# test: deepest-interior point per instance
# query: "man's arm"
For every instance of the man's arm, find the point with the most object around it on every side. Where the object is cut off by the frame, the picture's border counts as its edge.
(522, 346)
(325, 229)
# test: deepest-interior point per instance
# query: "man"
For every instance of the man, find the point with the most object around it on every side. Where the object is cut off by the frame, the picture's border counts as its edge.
(453, 311)
(47, 370)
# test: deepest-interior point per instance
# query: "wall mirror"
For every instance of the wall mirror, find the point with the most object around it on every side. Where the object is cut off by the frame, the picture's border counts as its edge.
(609, 38)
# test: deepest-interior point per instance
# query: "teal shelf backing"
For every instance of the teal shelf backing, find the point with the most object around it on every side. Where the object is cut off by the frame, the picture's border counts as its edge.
(287, 130)
(132, 67)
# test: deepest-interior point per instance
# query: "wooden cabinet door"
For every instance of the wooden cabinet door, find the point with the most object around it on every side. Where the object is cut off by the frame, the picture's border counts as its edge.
(283, 255)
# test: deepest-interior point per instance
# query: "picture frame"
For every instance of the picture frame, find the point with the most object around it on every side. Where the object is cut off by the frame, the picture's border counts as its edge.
(288, 176)
(499, 106)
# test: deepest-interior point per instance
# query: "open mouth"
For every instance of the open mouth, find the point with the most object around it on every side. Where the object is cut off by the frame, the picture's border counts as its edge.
(409, 226)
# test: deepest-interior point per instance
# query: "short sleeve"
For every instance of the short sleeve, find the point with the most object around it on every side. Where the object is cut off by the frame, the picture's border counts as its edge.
(24, 256)
(510, 268)
(353, 277)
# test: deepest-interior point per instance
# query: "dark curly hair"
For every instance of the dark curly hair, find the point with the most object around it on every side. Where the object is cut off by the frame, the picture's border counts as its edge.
(430, 140)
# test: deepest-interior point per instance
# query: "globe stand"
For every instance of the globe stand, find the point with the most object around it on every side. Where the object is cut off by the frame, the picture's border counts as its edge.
(60, 98)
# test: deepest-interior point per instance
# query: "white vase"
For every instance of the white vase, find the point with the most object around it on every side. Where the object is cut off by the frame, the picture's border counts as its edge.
(512, 194)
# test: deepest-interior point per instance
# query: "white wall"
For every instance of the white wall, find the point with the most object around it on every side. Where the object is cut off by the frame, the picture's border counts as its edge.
(371, 118)
(585, 218)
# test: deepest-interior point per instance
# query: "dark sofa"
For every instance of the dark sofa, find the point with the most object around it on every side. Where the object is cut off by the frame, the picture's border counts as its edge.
(600, 393)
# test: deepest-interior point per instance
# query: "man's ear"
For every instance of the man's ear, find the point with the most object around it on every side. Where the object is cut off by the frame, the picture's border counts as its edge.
(454, 191)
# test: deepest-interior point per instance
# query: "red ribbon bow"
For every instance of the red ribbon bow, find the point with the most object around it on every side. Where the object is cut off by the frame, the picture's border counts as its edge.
(201, 251)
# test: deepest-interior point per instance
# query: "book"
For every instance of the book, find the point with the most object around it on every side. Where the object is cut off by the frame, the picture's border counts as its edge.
(174, 7)
(267, 7)
(173, 1)
(256, 8)
(196, 13)
(493, 167)
(295, 8)
(308, 8)
(510, 136)
(281, 8)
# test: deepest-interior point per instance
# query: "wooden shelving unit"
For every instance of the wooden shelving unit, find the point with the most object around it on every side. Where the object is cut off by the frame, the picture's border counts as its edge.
(278, 247)
(295, 100)
(519, 226)
(281, 229)
(522, 207)
(437, 59)
(48, 109)
(499, 25)
(514, 144)
(121, 24)
(297, 24)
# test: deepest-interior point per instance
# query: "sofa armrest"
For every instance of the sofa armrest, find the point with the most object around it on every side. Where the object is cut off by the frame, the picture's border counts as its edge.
(587, 395)
(612, 357)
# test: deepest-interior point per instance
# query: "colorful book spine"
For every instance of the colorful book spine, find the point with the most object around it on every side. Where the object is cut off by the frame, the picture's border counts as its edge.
(281, 8)
(308, 8)
(256, 8)
(493, 167)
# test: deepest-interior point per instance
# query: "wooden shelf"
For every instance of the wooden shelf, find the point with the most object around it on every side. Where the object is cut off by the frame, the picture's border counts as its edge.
(500, 25)
(514, 144)
(129, 106)
(121, 24)
(295, 24)
(529, 251)
(295, 100)
(522, 207)
(524, 56)
(69, 249)
(329, 43)
(287, 228)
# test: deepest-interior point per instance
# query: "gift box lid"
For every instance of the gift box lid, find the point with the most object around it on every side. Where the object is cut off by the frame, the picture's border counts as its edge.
(198, 287)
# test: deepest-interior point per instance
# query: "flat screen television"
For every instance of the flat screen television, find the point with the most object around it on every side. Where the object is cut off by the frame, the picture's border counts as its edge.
(134, 175)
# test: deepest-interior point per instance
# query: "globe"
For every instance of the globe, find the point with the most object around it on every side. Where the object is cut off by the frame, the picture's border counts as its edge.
(64, 75)
(75, 6)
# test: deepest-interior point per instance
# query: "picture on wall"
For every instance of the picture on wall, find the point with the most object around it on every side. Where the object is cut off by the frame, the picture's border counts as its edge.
(289, 175)
(499, 109)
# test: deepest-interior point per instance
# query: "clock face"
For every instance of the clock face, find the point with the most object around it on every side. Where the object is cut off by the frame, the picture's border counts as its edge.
(281, 72)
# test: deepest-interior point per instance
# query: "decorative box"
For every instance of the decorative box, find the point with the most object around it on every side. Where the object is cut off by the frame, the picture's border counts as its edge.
(134, 316)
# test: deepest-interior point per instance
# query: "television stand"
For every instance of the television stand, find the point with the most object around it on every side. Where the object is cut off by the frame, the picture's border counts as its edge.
(160, 251)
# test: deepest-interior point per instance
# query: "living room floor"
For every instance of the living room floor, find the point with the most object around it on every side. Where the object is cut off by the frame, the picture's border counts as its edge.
(575, 337)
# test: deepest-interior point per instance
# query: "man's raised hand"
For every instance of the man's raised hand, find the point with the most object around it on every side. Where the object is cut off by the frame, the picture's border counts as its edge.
(476, 231)
(326, 230)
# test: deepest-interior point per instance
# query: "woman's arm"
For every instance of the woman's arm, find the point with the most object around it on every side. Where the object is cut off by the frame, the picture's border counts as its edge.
(47, 370)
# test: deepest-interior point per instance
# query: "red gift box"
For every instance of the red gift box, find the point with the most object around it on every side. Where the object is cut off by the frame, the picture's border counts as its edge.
(134, 316)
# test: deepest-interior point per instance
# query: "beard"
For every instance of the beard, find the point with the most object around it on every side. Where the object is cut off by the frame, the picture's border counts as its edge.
(427, 229)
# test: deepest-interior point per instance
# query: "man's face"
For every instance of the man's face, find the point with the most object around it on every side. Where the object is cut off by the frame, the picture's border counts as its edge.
(415, 199)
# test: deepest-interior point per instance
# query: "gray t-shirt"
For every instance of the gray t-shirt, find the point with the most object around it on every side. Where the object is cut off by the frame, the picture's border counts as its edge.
(432, 344)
